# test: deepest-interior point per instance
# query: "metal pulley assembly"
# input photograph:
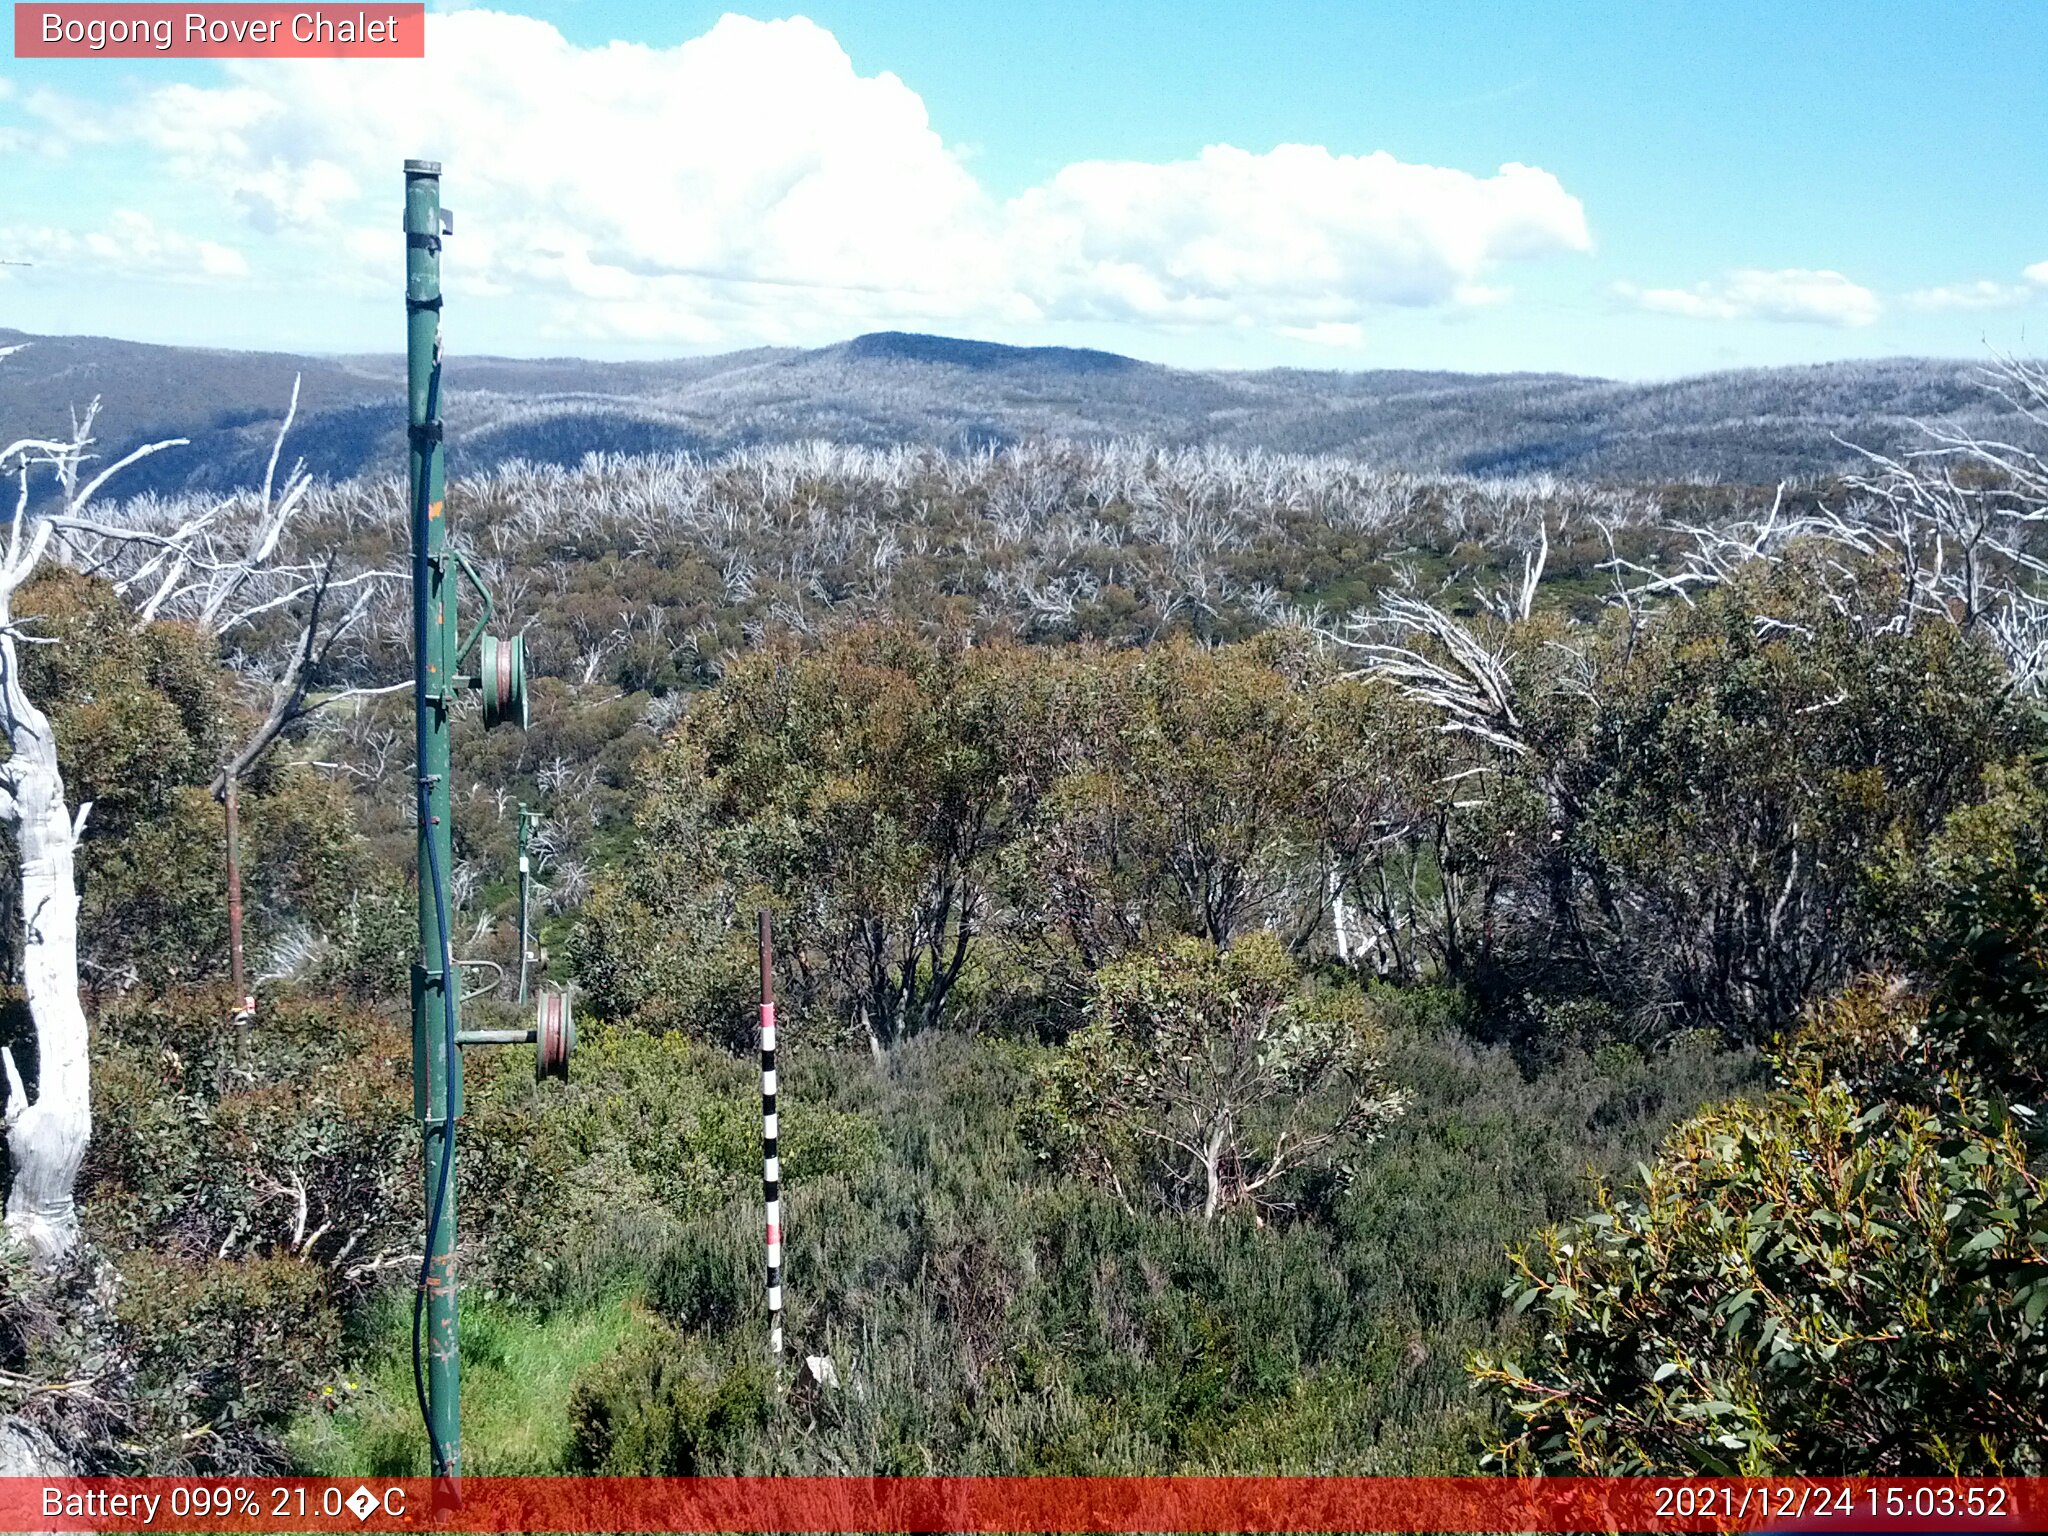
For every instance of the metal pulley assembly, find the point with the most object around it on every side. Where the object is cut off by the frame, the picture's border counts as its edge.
(500, 664)
(501, 680)
(554, 1034)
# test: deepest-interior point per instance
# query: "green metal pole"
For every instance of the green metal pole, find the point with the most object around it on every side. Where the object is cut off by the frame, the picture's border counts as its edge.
(437, 1070)
(525, 875)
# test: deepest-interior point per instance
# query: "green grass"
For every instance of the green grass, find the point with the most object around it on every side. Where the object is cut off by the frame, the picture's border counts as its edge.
(517, 1372)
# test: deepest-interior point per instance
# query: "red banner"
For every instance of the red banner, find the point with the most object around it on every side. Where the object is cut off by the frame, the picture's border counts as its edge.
(1092, 1504)
(265, 30)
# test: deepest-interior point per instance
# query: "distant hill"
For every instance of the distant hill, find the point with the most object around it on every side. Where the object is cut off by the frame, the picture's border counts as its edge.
(1753, 425)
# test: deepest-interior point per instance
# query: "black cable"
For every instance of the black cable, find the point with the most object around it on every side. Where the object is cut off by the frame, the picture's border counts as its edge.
(447, 1168)
(445, 1175)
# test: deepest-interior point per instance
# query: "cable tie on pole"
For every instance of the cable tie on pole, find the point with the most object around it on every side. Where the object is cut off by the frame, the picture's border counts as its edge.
(426, 432)
(416, 241)
(433, 303)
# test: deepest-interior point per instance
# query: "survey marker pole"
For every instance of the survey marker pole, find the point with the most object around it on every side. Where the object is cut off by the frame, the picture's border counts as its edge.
(437, 1063)
(771, 1161)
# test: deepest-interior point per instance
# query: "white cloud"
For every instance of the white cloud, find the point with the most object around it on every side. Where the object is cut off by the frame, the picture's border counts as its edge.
(1298, 236)
(751, 185)
(1752, 293)
(132, 245)
(1982, 294)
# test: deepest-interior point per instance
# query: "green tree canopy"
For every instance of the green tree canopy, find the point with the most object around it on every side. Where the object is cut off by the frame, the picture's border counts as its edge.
(1213, 1077)
(144, 716)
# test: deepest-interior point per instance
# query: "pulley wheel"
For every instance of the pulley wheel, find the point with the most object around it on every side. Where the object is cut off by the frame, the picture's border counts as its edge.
(554, 1035)
(501, 679)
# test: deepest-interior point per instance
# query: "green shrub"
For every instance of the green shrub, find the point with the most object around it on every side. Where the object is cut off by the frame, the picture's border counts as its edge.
(865, 789)
(986, 1315)
(709, 1276)
(653, 1411)
(578, 1185)
(372, 941)
(145, 716)
(306, 1150)
(245, 1208)
(1976, 918)
(1852, 1276)
(226, 1351)
(1823, 1283)
(1213, 1078)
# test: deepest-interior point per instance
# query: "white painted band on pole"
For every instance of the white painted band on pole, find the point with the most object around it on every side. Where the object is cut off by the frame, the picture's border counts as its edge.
(768, 1081)
(771, 1129)
(775, 1169)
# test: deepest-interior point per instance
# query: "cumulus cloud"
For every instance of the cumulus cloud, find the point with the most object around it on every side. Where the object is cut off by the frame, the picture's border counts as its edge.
(2037, 273)
(1301, 235)
(1752, 293)
(752, 184)
(132, 245)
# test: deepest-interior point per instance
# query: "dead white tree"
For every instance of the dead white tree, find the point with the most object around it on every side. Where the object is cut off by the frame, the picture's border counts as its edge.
(46, 1135)
(1459, 670)
(218, 563)
(198, 560)
(1961, 524)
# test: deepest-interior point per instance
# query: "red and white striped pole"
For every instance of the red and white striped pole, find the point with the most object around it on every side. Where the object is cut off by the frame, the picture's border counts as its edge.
(771, 1162)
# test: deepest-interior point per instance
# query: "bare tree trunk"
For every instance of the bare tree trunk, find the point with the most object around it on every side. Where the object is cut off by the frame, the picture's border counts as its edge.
(1212, 1169)
(245, 1005)
(45, 1139)
(1340, 914)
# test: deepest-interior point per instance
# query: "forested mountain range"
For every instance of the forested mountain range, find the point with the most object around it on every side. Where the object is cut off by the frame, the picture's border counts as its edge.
(1750, 426)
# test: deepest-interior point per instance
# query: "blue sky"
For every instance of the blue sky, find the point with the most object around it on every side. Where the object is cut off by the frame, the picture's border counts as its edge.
(1639, 190)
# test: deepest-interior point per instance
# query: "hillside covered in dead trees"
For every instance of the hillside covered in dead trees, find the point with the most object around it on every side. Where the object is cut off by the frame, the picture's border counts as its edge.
(1286, 967)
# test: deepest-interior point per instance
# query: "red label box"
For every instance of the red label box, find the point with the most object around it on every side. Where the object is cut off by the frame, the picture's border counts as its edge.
(1102, 1506)
(359, 29)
